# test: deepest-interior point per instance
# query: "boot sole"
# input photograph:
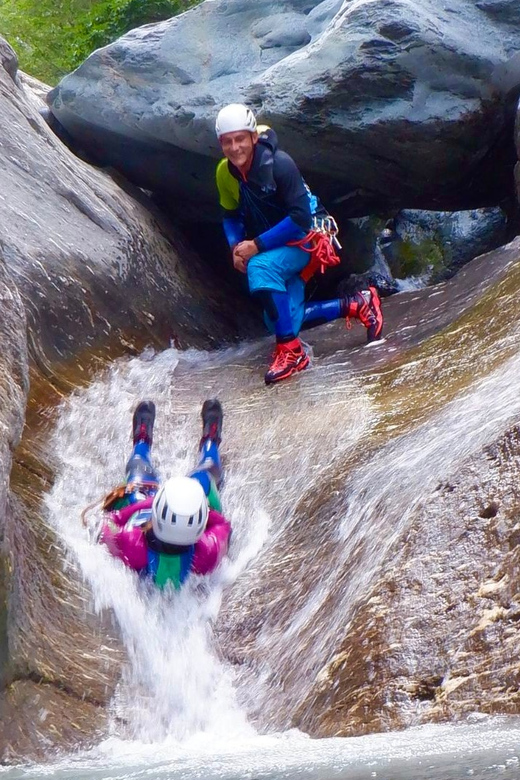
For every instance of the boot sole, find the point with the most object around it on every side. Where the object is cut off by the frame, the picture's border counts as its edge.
(375, 342)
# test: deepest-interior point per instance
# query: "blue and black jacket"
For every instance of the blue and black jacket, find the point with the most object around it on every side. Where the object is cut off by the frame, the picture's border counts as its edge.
(273, 205)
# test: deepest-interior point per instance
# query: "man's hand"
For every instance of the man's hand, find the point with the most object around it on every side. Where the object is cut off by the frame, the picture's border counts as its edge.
(246, 249)
(239, 262)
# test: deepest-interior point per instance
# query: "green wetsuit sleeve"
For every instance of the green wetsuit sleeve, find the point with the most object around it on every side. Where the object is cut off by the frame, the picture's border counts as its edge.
(228, 188)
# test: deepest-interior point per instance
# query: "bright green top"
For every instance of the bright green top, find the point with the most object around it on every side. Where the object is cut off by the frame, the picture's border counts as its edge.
(228, 187)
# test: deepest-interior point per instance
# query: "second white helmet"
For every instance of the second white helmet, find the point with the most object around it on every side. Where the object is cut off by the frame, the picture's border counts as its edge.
(235, 117)
(180, 511)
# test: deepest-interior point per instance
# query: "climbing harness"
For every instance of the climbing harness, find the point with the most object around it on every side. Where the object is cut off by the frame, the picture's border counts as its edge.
(321, 243)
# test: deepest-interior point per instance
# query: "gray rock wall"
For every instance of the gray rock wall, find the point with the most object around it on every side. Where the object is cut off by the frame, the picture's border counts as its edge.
(382, 103)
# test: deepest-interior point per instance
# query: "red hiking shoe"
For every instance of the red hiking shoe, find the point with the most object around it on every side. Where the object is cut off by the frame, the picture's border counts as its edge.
(365, 306)
(289, 358)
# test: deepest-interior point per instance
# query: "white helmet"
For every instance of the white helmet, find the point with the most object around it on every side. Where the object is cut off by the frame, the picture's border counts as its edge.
(180, 511)
(235, 117)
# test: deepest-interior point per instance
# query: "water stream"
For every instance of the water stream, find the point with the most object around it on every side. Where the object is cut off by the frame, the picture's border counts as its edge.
(181, 709)
(477, 751)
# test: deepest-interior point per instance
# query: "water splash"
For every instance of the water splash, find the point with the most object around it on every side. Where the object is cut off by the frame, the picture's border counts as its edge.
(175, 683)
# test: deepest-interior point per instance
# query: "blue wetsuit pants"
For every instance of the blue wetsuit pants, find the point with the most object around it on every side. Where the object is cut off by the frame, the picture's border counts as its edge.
(274, 278)
(140, 470)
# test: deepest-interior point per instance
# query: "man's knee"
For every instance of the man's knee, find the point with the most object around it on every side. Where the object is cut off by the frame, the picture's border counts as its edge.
(139, 467)
(263, 273)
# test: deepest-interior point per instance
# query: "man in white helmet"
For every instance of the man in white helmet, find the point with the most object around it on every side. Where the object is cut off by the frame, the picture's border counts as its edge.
(167, 531)
(267, 208)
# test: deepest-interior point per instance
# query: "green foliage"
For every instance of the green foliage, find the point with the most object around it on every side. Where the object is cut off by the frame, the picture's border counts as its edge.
(109, 19)
(52, 37)
(415, 259)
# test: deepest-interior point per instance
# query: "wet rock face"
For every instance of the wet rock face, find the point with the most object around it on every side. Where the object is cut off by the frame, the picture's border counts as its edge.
(91, 262)
(48, 719)
(381, 103)
(14, 370)
(437, 636)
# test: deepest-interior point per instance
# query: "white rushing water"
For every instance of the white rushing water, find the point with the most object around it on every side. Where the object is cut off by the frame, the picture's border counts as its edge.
(175, 684)
(176, 695)
(483, 750)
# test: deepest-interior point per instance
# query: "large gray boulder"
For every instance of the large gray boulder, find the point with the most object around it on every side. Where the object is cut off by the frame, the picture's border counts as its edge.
(383, 103)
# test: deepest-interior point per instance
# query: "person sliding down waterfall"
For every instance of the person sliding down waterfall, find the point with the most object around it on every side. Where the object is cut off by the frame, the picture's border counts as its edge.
(168, 531)
(279, 235)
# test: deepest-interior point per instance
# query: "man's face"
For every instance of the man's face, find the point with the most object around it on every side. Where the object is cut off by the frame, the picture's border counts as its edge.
(239, 147)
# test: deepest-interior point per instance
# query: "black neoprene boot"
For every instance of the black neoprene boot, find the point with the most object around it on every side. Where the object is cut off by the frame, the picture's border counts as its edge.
(144, 417)
(212, 415)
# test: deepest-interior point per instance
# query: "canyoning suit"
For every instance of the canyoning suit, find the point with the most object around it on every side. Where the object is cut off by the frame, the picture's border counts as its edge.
(139, 549)
(274, 207)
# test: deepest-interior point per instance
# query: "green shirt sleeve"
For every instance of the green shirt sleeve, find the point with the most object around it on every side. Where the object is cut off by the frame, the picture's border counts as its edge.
(228, 188)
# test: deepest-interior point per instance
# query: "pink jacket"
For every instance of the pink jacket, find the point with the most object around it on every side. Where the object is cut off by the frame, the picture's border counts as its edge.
(128, 542)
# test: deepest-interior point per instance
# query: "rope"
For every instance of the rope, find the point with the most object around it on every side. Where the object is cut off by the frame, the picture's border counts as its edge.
(119, 492)
(319, 243)
(88, 509)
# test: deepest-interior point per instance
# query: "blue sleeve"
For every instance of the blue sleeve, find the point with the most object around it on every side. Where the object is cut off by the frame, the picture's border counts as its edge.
(295, 198)
(234, 229)
(285, 231)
